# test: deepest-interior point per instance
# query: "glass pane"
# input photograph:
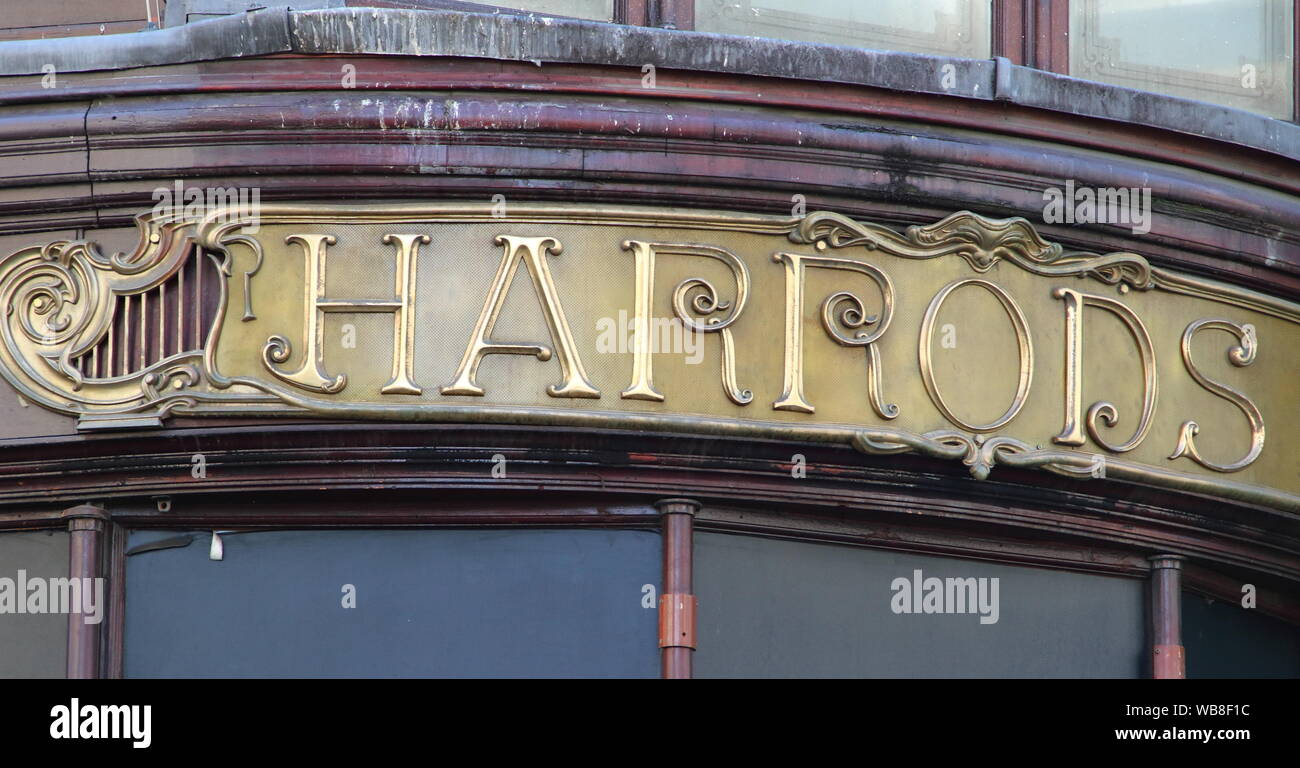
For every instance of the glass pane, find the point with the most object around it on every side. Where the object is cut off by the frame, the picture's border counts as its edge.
(772, 608)
(596, 10)
(1225, 640)
(1231, 52)
(947, 27)
(422, 603)
(33, 644)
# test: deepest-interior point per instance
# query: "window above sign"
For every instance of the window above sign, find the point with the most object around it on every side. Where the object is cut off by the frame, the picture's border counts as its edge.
(1238, 53)
(1234, 53)
(593, 10)
(948, 27)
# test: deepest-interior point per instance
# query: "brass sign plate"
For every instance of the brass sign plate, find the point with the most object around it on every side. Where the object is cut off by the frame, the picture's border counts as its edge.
(971, 339)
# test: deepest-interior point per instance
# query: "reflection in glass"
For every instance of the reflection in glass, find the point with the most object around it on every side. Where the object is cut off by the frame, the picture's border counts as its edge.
(393, 603)
(33, 644)
(778, 608)
(946, 27)
(1231, 52)
(596, 10)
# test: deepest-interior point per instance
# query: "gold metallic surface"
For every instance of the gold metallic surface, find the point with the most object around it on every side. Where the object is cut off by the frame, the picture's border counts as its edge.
(796, 265)
(1240, 355)
(1072, 433)
(706, 302)
(446, 329)
(1026, 358)
(532, 252)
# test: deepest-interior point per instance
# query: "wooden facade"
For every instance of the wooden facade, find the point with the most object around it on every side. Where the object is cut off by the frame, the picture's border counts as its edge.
(563, 115)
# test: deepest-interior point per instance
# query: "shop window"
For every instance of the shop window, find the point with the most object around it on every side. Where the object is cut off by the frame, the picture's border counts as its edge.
(946, 27)
(393, 603)
(1237, 53)
(777, 608)
(595, 10)
(33, 638)
(1222, 639)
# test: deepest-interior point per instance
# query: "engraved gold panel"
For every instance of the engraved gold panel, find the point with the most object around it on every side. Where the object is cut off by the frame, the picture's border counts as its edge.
(970, 339)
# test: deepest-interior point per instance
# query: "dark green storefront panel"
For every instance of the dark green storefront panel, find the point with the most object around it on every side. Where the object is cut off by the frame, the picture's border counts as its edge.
(429, 603)
(32, 645)
(1223, 639)
(771, 607)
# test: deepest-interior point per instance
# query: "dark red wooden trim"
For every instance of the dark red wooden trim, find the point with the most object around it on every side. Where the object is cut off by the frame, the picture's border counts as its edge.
(321, 73)
(677, 604)
(1052, 35)
(683, 13)
(815, 524)
(115, 631)
(1205, 225)
(31, 520)
(37, 13)
(71, 30)
(634, 12)
(315, 475)
(1167, 656)
(664, 13)
(85, 527)
(405, 504)
(1013, 34)
(1271, 600)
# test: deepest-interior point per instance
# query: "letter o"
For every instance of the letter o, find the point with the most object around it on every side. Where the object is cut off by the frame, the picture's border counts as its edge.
(1023, 340)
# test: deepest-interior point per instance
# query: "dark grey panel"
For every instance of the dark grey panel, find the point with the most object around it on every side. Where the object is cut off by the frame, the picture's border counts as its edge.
(32, 645)
(1225, 640)
(430, 603)
(784, 608)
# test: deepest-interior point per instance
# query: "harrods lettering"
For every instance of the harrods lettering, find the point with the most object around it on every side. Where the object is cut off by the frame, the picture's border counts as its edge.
(968, 339)
(694, 296)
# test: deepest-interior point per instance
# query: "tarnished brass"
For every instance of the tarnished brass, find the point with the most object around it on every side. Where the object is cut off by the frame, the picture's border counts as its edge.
(705, 302)
(1026, 370)
(792, 398)
(426, 290)
(1240, 355)
(531, 251)
(1072, 433)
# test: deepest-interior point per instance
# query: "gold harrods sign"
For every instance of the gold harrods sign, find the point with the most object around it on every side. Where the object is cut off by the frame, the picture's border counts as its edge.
(971, 339)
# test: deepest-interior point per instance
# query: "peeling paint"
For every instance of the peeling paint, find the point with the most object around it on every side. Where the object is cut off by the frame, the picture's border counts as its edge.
(541, 39)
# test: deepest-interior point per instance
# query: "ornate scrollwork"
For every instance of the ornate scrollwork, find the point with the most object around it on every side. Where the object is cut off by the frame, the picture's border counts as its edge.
(845, 309)
(706, 301)
(853, 317)
(979, 452)
(60, 302)
(981, 241)
(691, 297)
